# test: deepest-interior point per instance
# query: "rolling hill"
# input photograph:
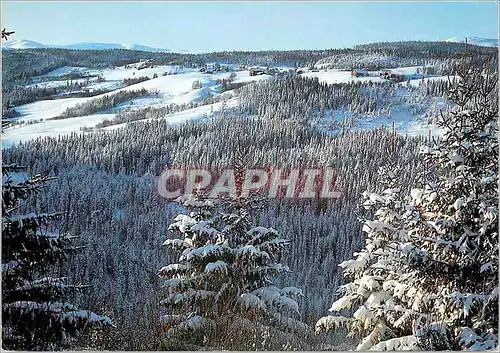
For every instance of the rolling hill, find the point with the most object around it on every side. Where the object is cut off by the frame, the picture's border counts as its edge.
(29, 44)
(485, 42)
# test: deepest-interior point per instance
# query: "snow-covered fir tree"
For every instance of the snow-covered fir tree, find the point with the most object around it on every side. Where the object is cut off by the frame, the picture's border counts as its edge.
(35, 312)
(220, 294)
(427, 277)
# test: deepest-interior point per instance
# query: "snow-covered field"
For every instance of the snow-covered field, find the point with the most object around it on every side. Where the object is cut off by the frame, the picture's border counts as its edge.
(401, 119)
(53, 128)
(405, 118)
(172, 89)
(175, 87)
(46, 109)
(131, 71)
(338, 76)
(50, 128)
(52, 84)
(416, 82)
(188, 114)
(404, 123)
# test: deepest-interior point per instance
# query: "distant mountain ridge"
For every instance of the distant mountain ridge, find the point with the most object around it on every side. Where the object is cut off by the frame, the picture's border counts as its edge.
(21, 44)
(485, 42)
(29, 44)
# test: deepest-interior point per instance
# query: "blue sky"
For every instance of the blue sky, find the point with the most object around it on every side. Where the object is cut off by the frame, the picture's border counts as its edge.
(215, 26)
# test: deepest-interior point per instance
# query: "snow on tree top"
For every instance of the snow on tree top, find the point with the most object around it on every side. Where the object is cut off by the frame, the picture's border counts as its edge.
(172, 268)
(217, 266)
(206, 250)
(178, 243)
(406, 343)
(252, 250)
(204, 227)
(88, 315)
(251, 301)
(198, 203)
(260, 230)
(342, 303)
(268, 294)
(182, 223)
(195, 323)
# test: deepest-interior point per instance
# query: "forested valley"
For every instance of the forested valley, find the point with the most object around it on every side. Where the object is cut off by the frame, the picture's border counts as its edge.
(153, 274)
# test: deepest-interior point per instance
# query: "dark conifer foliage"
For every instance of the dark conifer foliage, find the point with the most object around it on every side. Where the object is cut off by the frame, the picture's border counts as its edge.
(35, 311)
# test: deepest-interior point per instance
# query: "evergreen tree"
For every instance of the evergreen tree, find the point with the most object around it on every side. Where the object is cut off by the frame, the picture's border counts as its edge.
(428, 275)
(220, 294)
(35, 313)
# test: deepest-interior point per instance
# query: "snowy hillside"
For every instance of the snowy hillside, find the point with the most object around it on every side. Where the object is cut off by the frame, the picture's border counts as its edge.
(411, 73)
(37, 119)
(28, 44)
(22, 44)
(485, 42)
(174, 85)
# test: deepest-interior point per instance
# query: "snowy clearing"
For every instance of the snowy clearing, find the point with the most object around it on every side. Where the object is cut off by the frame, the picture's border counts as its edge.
(331, 76)
(193, 114)
(338, 76)
(416, 82)
(176, 87)
(50, 128)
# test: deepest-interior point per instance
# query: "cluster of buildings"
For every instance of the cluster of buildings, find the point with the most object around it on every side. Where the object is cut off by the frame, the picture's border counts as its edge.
(258, 70)
(142, 64)
(384, 74)
(392, 76)
(210, 68)
(145, 63)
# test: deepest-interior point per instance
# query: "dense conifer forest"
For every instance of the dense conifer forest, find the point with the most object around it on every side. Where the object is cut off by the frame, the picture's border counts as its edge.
(88, 204)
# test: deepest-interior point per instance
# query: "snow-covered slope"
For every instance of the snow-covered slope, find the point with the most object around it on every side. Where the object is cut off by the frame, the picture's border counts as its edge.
(35, 118)
(28, 44)
(177, 87)
(338, 76)
(22, 44)
(331, 76)
(485, 42)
